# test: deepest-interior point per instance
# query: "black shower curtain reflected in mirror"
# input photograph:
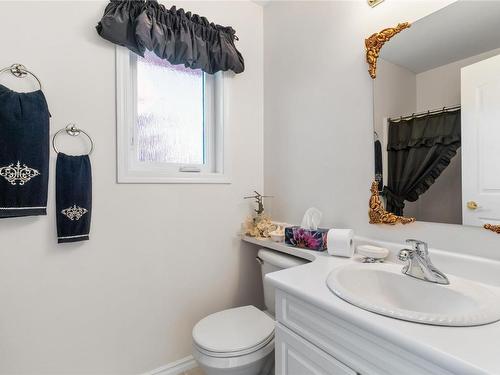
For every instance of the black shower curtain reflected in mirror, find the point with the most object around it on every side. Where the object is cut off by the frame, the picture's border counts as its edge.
(419, 150)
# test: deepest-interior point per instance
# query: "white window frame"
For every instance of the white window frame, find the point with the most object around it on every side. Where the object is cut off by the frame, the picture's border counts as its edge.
(216, 168)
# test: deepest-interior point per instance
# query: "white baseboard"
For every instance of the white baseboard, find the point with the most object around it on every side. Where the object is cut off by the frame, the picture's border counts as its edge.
(175, 368)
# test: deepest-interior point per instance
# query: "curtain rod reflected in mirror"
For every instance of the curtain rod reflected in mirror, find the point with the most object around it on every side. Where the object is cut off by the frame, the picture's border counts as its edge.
(424, 113)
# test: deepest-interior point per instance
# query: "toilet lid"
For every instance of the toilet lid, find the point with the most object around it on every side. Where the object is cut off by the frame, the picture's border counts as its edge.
(233, 330)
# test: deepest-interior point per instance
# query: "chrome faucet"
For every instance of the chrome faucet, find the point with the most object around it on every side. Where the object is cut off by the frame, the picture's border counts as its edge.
(419, 264)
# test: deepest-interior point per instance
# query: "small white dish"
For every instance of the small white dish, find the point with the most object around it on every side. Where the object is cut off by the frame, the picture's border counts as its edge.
(372, 253)
(277, 237)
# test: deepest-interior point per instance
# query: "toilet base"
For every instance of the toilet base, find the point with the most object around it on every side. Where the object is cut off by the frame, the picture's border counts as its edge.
(260, 362)
(264, 367)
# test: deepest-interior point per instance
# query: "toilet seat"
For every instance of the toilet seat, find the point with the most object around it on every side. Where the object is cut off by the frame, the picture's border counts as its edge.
(235, 353)
(234, 332)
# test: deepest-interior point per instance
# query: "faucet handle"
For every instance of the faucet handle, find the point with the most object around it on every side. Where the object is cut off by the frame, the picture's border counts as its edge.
(419, 246)
(405, 255)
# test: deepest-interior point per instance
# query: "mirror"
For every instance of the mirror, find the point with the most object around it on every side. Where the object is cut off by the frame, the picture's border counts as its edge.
(437, 115)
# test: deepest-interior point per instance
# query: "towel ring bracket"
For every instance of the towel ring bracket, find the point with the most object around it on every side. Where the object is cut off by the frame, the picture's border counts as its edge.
(73, 131)
(20, 71)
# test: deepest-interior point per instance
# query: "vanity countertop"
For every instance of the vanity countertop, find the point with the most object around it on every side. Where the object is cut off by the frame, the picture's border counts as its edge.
(460, 350)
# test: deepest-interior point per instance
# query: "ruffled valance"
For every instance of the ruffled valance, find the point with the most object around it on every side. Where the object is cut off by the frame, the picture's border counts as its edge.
(425, 131)
(425, 142)
(172, 34)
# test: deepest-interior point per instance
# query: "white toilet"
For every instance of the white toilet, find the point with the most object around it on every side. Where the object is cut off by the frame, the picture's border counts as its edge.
(240, 341)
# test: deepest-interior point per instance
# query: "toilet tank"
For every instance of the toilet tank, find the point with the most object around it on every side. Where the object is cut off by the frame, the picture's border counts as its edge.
(272, 261)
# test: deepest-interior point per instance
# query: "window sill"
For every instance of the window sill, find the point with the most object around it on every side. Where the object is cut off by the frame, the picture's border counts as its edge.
(197, 179)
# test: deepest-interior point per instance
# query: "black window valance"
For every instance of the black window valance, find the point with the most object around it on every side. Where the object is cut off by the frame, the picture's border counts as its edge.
(172, 34)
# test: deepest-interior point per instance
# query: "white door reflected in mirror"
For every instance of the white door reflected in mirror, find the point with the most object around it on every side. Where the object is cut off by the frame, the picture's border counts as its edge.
(480, 95)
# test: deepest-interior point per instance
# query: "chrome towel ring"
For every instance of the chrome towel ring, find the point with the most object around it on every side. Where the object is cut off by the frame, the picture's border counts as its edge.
(72, 130)
(20, 71)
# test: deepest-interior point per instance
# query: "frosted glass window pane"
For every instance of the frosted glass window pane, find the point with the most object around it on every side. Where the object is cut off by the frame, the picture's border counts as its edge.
(169, 126)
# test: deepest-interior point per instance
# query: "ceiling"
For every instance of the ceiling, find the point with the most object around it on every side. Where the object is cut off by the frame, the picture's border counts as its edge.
(458, 31)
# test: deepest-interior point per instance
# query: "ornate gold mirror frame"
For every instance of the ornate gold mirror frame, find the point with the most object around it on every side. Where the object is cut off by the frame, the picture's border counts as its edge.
(493, 228)
(377, 212)
(373, 44)
(376, 41)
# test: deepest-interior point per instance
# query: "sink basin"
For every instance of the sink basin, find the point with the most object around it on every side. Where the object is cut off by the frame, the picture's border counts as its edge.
(383, 289)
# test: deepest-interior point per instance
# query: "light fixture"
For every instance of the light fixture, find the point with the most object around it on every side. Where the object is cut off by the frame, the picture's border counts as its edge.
(374, 3)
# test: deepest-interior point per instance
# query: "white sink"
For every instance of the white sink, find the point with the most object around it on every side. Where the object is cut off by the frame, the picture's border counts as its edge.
(383, 289)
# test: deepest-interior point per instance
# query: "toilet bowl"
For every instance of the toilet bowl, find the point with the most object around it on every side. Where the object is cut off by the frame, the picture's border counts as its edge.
(235, 341)
(240, 341)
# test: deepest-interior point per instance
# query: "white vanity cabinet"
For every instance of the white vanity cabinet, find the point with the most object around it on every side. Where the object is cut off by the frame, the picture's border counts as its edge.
(310, 340)
(297, 356)
(319, 333)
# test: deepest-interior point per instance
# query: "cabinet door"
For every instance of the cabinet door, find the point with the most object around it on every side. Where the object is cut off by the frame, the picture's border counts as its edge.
(296, 356)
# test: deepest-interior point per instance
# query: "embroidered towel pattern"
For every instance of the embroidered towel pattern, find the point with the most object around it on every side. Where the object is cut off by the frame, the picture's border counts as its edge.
(73, 197)
(24, 153)
(18, 174)
(74, 213)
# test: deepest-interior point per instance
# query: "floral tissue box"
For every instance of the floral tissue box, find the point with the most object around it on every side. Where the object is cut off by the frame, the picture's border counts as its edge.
(305, 238)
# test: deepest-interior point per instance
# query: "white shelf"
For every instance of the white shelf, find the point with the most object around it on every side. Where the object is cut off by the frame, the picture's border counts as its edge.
(284, 248)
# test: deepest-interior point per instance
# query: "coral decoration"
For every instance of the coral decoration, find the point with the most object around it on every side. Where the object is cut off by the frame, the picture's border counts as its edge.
(259, 226)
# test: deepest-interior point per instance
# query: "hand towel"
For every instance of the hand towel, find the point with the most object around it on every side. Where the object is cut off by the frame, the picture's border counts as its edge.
(24, 153)
(73, 197)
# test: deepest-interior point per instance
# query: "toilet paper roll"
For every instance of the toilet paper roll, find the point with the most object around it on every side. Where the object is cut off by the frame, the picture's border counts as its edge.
(339, 242)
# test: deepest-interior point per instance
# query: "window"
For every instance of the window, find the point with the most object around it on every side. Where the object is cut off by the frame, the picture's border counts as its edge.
(169, 122)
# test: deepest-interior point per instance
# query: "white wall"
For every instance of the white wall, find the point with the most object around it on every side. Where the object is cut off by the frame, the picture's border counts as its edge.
(394, 93)
(160, 256)
(440, 87)
(318, 118)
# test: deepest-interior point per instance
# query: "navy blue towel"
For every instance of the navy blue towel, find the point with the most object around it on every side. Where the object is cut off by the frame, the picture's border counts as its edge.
(24, 153)
(73, 197)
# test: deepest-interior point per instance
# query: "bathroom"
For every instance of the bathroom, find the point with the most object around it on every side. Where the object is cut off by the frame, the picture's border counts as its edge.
(164, 253)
